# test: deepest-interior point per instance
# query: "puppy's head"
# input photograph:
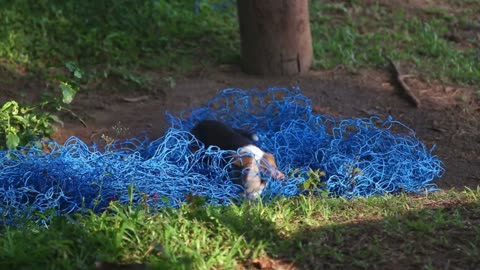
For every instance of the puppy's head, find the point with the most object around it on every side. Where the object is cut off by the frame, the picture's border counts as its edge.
(252, 166)
(266, 163)
(251, 180)
(269, 165)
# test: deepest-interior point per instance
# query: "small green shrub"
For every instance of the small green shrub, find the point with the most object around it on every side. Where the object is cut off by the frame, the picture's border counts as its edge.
(21, 125)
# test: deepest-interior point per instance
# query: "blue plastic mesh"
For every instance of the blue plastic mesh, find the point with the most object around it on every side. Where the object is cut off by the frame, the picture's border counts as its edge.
(360, 157)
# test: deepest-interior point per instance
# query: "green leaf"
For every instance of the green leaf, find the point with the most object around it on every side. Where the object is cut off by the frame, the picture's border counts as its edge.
(68, 92)
(25, 110)
(12, 140)
(78, 74)
(11, 106)
(71, 66)
(21, 120)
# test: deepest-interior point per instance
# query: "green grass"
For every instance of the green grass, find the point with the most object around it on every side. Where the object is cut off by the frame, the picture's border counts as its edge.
(122, 38)
(356, 36)
(408, 231)
(111, 37)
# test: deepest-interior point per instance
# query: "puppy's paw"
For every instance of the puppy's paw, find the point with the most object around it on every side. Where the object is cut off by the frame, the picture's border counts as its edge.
(255, 194)
(278, 174)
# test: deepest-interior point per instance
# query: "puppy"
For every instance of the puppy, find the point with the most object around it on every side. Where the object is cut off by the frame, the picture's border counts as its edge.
(251, 159)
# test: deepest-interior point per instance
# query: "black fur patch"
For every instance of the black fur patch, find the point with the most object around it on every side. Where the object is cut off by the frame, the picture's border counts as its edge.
(212, 132)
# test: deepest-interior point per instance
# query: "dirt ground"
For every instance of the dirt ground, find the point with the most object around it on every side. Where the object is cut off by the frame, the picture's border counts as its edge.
(448, 116)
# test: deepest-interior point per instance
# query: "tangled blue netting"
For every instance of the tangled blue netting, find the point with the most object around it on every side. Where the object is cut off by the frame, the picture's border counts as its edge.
(360, 157)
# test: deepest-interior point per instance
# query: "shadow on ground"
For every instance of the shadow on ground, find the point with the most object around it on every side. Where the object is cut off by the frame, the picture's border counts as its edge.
(446, 237)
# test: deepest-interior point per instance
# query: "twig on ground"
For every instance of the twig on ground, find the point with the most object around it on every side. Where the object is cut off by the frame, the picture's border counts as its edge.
(400, 80)
(136, 99)
(76, 116)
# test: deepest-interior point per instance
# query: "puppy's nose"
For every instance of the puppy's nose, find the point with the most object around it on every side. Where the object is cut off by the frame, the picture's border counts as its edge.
(278, 175)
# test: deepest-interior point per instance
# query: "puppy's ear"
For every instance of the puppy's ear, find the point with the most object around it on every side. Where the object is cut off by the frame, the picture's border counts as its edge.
(242, 161)
(271, 166)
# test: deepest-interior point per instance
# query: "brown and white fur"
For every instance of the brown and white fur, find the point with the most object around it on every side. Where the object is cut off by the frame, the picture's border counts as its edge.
(249, 157)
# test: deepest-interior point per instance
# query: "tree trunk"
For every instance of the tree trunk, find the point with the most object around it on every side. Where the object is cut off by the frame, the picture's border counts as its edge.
(275, 36)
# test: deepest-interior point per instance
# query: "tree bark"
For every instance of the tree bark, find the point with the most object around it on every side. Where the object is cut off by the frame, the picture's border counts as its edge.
(275, 36)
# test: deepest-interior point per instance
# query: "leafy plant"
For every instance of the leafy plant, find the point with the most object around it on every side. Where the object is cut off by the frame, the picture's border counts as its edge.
(23, 124)
(313, 181)
(20, 125)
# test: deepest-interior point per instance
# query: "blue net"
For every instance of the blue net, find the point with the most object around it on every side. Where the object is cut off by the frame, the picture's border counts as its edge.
(358, 157)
